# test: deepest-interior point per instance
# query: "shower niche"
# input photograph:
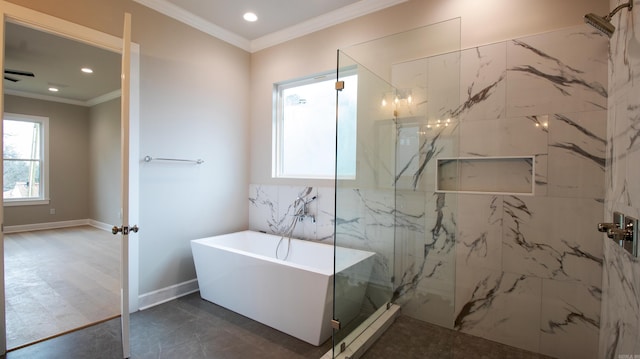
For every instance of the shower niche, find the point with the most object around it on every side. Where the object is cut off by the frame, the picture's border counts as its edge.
(488, 175)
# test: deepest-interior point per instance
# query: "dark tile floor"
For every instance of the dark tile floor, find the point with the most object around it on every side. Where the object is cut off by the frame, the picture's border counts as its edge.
(191, 328)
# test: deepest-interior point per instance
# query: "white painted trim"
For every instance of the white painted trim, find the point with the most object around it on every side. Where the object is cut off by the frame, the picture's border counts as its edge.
(61, 224)
(91, 102)
(166, 8)
(103, 98)
(26, 202)
(360, 8)
(43, 226)
(53, 25)
(100, 225)
(44, 97)
(167, 294)
(336, 17)
(134, 178)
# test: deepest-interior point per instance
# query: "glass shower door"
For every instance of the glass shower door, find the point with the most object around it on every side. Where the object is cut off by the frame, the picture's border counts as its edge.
(389, 213)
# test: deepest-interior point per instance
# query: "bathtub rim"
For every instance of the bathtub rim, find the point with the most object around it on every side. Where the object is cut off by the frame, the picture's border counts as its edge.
(202, 241)
(329, 272)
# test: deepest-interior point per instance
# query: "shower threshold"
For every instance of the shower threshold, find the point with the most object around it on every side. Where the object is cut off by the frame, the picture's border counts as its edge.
(365, 340)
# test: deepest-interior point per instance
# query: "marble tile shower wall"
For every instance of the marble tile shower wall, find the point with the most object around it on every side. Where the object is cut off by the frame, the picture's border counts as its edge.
(524, 270)
(529, 267)
(272, 209)
(620, 323)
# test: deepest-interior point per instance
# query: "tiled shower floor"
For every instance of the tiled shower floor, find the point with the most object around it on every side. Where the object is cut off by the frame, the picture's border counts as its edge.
(191, 328)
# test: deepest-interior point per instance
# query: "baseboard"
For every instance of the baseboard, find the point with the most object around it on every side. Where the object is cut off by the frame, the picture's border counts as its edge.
(100, 225)
(44, 226)
(151, 299)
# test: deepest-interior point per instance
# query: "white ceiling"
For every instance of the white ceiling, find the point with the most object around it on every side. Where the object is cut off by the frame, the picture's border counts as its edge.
(57, 61)
(278, 20)
(273, 15)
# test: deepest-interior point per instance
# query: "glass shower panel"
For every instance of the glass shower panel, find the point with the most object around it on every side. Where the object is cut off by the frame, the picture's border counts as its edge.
(364, 199)
(425, 226)
(408, 98)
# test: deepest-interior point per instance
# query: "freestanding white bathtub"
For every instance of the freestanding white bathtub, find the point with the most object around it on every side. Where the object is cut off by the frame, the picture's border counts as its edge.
(239, 271)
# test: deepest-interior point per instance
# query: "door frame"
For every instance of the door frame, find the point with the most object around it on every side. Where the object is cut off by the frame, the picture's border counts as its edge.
(92, 37)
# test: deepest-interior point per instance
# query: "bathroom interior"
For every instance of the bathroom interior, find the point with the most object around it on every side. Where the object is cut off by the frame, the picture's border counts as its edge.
(443, 106)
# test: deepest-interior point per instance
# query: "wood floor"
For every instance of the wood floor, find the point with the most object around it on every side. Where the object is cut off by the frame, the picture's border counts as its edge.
(58, 280)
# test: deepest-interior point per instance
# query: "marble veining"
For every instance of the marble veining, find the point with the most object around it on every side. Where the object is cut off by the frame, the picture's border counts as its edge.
(620, 328)
(564, 69)
(472, 262)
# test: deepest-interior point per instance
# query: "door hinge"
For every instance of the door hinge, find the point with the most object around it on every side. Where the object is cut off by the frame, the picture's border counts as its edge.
(339, 85)
(335, 324)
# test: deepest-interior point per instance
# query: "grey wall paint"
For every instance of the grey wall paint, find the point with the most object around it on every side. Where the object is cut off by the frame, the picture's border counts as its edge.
(68, 158)
(104, 163)
(194, 103)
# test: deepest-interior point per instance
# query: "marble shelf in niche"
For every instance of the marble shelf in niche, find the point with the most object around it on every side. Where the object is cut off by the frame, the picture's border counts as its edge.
(486, 175)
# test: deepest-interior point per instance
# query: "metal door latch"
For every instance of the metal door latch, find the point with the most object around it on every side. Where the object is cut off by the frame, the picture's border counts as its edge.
(124, 229)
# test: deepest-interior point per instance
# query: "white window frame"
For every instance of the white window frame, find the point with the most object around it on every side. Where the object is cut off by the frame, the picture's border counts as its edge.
(44, 155)
(278, 122)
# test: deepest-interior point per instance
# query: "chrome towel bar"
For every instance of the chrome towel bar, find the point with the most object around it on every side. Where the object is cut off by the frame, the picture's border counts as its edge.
(149, 159)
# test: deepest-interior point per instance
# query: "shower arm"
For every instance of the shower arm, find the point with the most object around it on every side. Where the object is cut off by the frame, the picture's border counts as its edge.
(618, 8)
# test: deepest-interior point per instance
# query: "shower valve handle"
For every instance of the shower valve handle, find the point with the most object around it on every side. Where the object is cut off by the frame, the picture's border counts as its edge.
(619, 234)
(605, 227)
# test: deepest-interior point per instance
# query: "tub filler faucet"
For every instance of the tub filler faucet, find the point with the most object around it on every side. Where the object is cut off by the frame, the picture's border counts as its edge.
(301, 209)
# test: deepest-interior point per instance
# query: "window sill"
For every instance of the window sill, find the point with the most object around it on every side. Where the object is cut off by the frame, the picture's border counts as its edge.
(26, 202)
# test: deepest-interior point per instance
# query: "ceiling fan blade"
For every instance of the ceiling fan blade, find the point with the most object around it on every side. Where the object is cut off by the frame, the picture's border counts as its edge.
(18, 72)
(11, 79)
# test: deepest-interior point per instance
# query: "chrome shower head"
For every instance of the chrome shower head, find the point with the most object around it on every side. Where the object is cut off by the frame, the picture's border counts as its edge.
(603, 23)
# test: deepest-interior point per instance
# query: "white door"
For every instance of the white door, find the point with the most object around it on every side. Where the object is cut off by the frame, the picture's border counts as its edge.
(3, 331)
(124, 229)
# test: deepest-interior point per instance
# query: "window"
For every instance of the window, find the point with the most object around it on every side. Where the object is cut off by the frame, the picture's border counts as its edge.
(305, 128)
(25, 159)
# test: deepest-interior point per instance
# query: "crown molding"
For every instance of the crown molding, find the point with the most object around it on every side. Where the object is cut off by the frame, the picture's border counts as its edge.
(166, 8)
(89, 103)
(360, 8)
(104, 98)
(329, 19)
(44, 97)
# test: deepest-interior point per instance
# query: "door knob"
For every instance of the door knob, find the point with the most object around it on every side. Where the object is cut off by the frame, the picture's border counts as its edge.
(125, 229)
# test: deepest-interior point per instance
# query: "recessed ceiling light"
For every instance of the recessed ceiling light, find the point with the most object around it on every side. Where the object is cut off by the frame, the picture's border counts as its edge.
(86, 70)
(53, 89)
(251, 17)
